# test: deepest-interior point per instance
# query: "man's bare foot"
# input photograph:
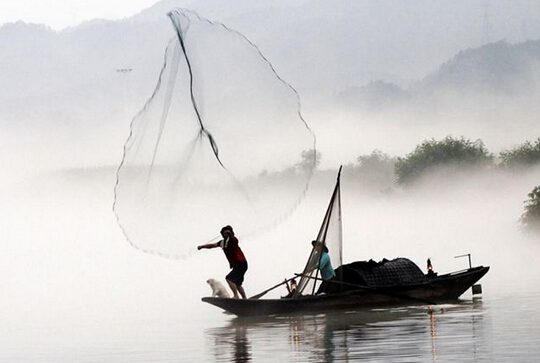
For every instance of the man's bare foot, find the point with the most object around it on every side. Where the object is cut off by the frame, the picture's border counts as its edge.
(235, 297)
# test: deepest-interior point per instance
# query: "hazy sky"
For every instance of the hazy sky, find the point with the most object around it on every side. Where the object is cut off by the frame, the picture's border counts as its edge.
(59, 14)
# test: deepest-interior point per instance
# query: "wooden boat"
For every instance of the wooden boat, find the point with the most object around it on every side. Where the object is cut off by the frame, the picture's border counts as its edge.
(436, 290)
(372, 284)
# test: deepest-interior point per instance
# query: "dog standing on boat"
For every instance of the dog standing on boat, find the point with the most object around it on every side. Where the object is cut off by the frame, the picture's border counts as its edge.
(218, 289)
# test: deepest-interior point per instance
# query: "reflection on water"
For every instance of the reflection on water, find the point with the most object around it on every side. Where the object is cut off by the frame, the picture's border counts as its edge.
(496, 329)
(234, 345)
(451, 332)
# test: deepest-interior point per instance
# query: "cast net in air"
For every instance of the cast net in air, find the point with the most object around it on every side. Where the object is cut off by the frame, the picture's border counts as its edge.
(220, 141)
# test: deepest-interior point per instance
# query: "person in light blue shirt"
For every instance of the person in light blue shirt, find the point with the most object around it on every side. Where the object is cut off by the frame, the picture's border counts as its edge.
(325, 266)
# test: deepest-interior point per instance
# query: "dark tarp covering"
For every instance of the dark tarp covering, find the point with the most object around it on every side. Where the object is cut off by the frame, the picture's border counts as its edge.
(387, 273)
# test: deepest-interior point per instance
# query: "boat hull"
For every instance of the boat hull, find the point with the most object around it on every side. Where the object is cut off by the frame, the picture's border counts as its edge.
(435, 290)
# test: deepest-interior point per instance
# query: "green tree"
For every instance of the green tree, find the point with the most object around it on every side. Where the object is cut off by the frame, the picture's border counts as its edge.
(375, 160)
(310, 159)
(449, 152)
(526, 154)
(375, 169)
(530, 218)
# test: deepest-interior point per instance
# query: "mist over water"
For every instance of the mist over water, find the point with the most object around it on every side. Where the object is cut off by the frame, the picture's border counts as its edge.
(73, 289)
(76, 289)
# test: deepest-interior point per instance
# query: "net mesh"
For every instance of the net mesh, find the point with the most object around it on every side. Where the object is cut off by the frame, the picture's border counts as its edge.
(396, 272)
(218, 142)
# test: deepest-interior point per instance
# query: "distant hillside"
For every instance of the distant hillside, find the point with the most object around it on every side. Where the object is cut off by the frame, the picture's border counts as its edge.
(378, 55)
(320, 47)
(496, 69)
(39, 61)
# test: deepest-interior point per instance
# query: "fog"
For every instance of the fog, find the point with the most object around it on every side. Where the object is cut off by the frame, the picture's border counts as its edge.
(65, 259)
(65, 113)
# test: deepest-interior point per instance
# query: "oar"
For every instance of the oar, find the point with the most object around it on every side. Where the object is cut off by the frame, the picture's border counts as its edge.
(261, 294)
(374, 289)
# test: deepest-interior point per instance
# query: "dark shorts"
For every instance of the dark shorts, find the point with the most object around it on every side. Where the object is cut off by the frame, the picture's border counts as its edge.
(237, 273)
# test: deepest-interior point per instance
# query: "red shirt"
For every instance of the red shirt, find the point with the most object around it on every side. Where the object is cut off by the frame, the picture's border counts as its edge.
(233, 252)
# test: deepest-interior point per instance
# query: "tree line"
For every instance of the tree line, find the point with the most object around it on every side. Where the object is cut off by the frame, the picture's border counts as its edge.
(454, 154)
(450, 154)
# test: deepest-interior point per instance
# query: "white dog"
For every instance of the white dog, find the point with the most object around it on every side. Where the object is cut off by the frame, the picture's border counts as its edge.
(217, 288)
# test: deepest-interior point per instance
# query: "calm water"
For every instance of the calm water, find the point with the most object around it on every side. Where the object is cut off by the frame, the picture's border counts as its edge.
(468, 331)
(505, 329)
(74, 291)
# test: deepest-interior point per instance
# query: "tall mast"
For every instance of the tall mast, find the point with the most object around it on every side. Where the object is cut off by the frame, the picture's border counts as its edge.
(333, 214)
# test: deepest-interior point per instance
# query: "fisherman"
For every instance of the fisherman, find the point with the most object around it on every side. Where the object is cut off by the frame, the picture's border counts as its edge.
(325, 266)
(236, 258)
(291, 289)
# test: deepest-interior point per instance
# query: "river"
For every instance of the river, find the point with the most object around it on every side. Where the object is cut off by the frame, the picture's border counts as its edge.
(494, 329)
(73, 290)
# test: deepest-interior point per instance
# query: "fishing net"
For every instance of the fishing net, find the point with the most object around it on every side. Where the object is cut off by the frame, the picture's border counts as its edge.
(386, 273)
(219, 142)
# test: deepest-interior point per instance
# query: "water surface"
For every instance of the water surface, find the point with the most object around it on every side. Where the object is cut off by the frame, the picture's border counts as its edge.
(498, 329)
